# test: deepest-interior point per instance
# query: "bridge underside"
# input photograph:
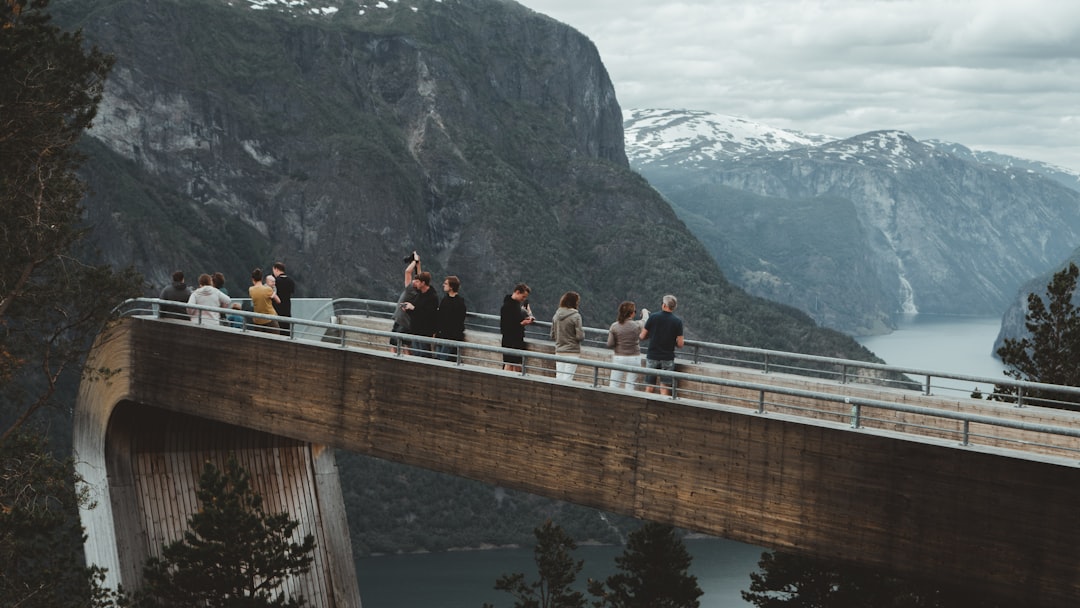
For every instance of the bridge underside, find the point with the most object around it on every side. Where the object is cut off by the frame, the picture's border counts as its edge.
(925, 508)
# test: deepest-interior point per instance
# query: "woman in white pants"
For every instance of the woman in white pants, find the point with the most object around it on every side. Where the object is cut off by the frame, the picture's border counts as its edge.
(623, 337)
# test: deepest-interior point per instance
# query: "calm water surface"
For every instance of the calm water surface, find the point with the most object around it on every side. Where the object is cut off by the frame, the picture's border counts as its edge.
(466, 579)
(943, 343)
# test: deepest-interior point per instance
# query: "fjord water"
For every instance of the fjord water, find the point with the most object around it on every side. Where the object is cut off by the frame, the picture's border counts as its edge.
(942, 343)
(465, 579)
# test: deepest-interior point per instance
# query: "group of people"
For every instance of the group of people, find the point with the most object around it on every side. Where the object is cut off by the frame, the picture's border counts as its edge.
(663, 330)
(420, 312)
(270, 295)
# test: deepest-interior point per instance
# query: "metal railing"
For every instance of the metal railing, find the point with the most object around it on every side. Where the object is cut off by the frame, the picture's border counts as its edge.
(704, 390)
(844, 371)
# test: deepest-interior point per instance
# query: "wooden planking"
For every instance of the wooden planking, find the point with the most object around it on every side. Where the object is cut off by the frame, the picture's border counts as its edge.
(818, 488)
(168, 457)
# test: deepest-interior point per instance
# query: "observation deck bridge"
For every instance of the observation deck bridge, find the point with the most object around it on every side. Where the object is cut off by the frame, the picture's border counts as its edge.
(867, 463)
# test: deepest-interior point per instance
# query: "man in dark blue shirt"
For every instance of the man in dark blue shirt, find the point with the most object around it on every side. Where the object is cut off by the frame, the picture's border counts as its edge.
(664, 331)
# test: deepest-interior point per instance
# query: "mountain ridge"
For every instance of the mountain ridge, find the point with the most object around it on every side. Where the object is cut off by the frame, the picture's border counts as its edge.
(937, 231)
(649, 137)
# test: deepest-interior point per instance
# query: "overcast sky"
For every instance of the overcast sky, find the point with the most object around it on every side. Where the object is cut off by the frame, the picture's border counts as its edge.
(990, 74)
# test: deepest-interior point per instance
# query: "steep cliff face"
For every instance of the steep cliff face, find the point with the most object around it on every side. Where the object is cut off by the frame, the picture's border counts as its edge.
(925, 229)
(960, 236)
(345, 138)
(484, 135)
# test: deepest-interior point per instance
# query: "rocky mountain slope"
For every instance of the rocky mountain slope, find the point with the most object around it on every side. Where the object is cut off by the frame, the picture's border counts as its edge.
(338, 136)
(478, 132)
(854, 230)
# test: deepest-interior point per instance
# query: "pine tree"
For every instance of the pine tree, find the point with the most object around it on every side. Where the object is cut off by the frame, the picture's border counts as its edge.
(51, 302)
(557, 571)
(653, 573)
(1050, 354)
(41, 560)
(792, 581)
(234, 555)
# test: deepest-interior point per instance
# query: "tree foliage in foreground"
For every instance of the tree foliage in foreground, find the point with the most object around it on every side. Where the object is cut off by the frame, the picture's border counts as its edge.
(653, 573)
(234, 554)
(51, 301)
(790, 581)
(557, 571)
(1050, 354)
(41, 562)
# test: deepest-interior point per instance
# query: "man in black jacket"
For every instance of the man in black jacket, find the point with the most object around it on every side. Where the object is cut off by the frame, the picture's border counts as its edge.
(423, 314)
(286, 287)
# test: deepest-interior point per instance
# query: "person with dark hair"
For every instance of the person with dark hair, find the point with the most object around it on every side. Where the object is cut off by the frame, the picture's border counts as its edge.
(207, 295)
(179, 292)
(624, 337)
(664, 331)
(262, 302)
(286, 287)
(514, 315)
(451, 318)
(229, 319)
(567, 331)
(401, 317)
(423, 312)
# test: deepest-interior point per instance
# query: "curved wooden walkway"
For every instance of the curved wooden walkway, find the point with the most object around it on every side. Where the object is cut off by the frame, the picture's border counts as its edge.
(926, 506)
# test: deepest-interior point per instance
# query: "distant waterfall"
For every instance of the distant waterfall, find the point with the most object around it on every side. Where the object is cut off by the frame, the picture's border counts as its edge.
(907, 294)
(618, 533)
(907, 297)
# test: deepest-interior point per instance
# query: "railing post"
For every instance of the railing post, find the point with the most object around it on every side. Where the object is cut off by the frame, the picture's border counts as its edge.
(926, 390)
(856, 412)
(967, 429)
(697, 353)
(674, 388)
(1019, 396)
(596, 376)
(766, 370)
(761, 401)
(843, 374)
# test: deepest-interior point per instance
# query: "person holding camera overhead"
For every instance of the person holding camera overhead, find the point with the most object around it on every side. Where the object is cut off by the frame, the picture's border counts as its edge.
(514, 315)
(423, 311)
(402, 321)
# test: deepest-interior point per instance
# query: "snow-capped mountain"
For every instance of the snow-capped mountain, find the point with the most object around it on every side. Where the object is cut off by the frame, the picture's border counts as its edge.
(853, 230)
(1065, 177)
(697, 138)
(674, 137)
